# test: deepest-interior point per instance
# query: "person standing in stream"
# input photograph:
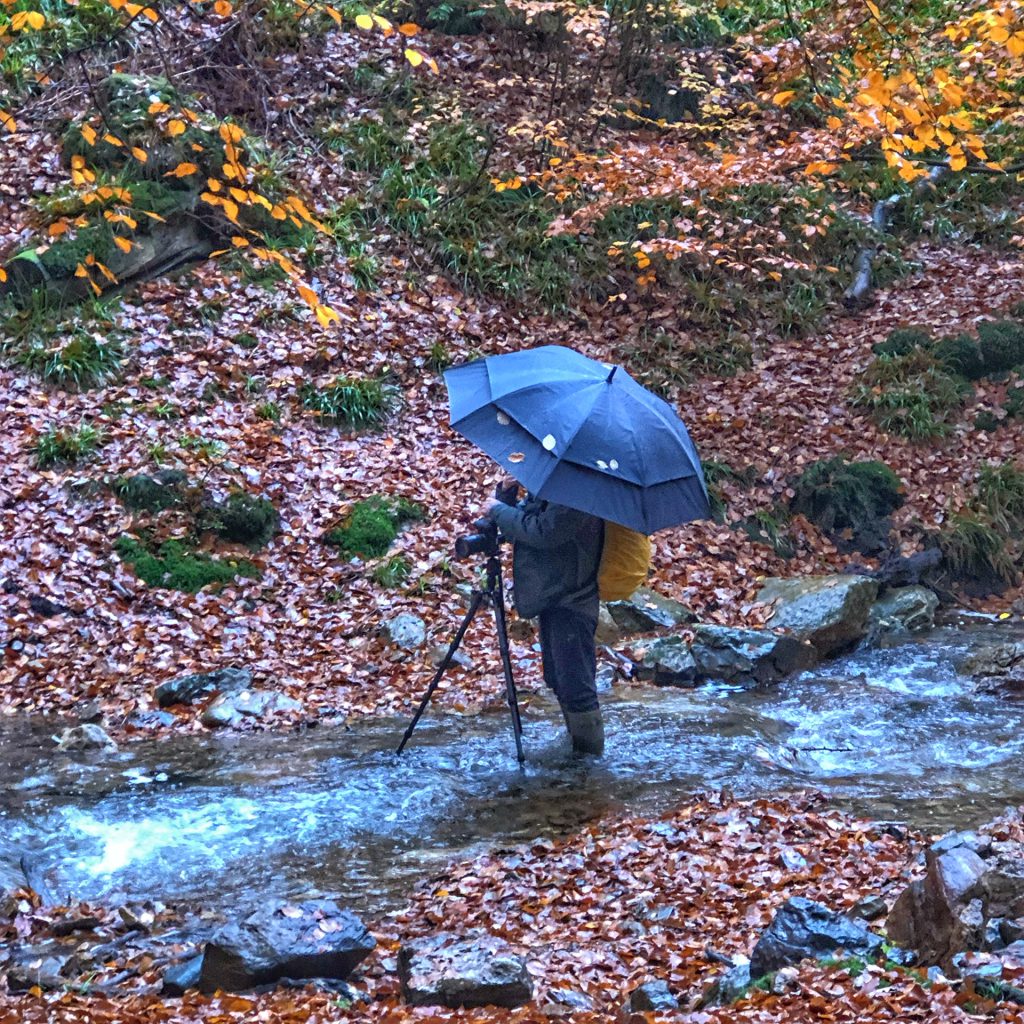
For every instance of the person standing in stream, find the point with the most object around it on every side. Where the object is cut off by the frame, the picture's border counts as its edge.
(556, 554)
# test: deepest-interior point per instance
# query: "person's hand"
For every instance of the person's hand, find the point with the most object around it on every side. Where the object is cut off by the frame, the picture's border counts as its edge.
(507, 490)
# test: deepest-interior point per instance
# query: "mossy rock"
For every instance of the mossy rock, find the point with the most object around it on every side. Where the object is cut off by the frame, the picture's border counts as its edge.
(903, 340)
(144, 493)
(960, 354)
(1002, 345)
(174, 565)
(372, 525)
(852, 498)
(245, 519)
(974, 555)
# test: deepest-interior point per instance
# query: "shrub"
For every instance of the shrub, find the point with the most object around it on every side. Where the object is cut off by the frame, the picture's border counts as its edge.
(910, 395)
(959, 354)
(62, 445)
(244, 519)
(972, 549)
(903, 340)
(353, 402)
(839, 495)
(269, 411)
(371, 525)
(987, 421)
(392, 572)
(1014, 404)
(1000, 496)
(1002, 344)
(174, 566)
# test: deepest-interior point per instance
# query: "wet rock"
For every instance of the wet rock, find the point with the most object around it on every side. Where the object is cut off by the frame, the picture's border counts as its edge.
(86, 737)
(830, 612)
(459, 660)
(49, 966)
(406, 631)
(803, 929)
(904, 610)
(231, 709)
(179, 978)
(567, 1000)
(474, 969)
(647, 610)
(999, 668)
(728, 987)
(870, 908)
(314, 939)
(605, 677)
(200, 685)
(151, 720)
(12, 881)
(942, 914)
(608, 631)
(669, 663)
(651, 997)
(979, 844)
(748, 655)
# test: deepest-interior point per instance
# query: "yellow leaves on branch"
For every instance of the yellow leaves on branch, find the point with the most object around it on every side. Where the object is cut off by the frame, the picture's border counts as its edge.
(8, 122)
(24, 21)
(183, 170)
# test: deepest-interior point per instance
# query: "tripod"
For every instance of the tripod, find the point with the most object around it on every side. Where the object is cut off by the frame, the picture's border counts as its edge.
(491, 594)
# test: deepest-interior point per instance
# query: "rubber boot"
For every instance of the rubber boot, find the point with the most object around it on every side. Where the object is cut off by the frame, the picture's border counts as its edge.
(586, 730)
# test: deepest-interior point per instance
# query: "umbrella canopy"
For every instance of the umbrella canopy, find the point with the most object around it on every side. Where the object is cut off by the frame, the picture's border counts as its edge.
(581, 433)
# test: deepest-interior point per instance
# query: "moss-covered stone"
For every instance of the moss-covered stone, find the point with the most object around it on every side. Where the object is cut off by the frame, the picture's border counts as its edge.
(173, 565)
(245, 519)
(852, 498)
(1002, 344)
(372, 525)
(959, 353)
(143, 493)
(902, 340)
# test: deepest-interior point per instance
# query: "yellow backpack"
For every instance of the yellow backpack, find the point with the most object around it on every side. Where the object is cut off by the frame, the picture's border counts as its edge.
(625, 559)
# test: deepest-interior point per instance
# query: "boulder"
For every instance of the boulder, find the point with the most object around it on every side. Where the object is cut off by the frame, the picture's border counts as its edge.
(669, 663)
(647, 610)
(970, 898)
(86, 737)
(903, 610)
(460, 659)
(406, 631)
(999, 668)
(200, 685)
(314, 939)
(728, 987)
(231, 709)
(651, 997)
(803, 929)
(748, 655)
(180, 977)
(608, 631)
(474, 969)
(830, 612)
(50, 966)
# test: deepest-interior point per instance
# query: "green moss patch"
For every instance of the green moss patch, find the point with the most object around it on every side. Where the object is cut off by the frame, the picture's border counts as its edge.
(372, 525)
(144, 493)
(1001, 343)
(244, 519)
(174, 565)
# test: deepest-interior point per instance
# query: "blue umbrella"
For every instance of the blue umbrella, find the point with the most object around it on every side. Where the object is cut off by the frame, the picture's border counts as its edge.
(581, 433)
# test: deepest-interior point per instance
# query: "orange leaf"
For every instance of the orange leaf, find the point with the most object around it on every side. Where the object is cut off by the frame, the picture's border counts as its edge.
(239, 242)
(223, 8)
(140, 154)
(183, 170)
(3, 275)
(89, 134)
(409, 29)
(326, 315)
(308, 295)
(176, 127)
(122, 243)
(157, 107)
(112, 139)
(8, 122)
(784, 98)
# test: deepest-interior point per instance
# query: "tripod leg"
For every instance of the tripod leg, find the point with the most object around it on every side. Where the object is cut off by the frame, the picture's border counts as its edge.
(474, 607)
(498, 603)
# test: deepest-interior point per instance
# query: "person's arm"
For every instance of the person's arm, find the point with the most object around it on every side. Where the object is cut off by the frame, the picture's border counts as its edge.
(551, 528)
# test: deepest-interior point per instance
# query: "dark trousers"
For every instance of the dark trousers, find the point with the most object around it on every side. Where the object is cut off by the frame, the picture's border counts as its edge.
(569, 657)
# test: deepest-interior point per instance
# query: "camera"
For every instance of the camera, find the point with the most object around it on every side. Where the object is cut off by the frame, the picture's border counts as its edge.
(484, 542)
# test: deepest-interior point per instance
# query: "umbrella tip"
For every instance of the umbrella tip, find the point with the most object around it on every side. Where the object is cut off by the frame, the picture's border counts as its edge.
(611, 374)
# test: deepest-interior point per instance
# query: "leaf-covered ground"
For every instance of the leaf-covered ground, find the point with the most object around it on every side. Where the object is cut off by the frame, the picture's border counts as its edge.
(208, 349)
(595, 915)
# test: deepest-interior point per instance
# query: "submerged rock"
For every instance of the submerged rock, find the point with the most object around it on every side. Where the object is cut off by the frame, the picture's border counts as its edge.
(474, 969)
(651, 997)
(86, 737)
(803, 929)
(748, 655)
(999, 668)
(315, 939)
(830, 612)
(200, 685)
(647, 610)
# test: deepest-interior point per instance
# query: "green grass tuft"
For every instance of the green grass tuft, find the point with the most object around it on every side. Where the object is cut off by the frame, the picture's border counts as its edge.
(392, 572)
(64, 446)
(357, 403)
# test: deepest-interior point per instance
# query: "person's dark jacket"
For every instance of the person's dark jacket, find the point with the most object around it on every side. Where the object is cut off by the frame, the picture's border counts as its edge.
(555, 557)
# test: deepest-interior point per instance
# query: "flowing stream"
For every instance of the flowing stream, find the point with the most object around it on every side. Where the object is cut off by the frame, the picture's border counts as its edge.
(894, 733)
